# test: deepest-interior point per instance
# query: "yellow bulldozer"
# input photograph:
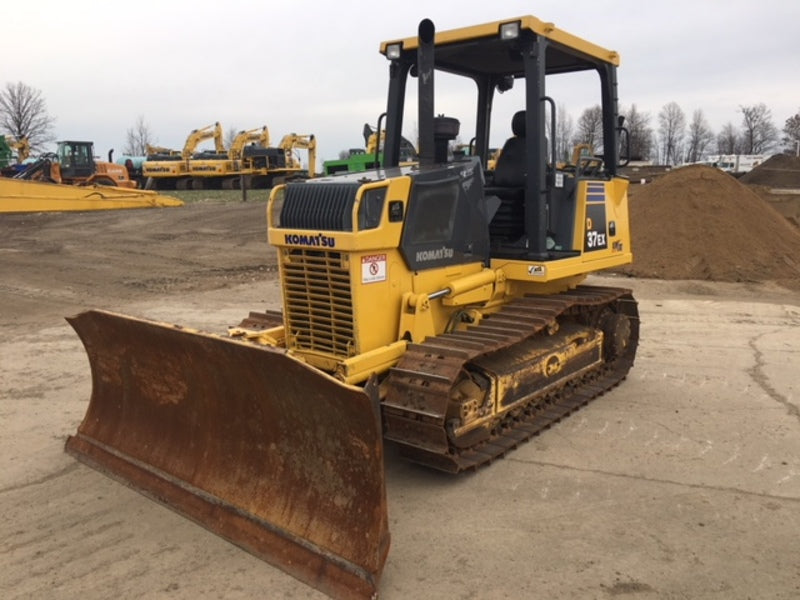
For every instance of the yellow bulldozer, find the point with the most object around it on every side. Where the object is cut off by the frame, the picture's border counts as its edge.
(440, 307)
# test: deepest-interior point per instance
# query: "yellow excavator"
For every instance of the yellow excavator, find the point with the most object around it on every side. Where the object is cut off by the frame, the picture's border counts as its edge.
(266, 166)
(171, 170)
(23, 148)
(217, 171)
(294, 141)
(258, 136)
(160, 151)
(9, 165)
(438, 307)
(257, 165)
(21, 145)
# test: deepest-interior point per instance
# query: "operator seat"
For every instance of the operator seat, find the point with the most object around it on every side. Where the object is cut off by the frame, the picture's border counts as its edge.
(510, 168)
(507, 221)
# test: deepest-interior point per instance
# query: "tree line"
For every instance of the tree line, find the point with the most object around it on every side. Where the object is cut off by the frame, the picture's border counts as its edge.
(673, 139)
(670, 138)
(24, 114)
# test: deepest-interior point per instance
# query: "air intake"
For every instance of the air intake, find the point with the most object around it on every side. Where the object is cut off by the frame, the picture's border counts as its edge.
(321, 207)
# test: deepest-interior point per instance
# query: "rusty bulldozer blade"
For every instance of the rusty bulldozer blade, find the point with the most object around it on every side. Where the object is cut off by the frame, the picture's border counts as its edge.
(275, 456)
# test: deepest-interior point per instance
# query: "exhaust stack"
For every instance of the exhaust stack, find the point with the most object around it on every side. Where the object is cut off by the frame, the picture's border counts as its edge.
(425, 69)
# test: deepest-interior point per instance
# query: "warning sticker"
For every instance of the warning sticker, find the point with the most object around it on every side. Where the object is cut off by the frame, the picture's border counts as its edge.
(373, 268)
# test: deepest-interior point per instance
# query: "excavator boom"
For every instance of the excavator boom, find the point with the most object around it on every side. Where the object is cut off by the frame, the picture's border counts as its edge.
(197, 136)
(260, 135)
(20, 195)
(306, 142)
(243, 448)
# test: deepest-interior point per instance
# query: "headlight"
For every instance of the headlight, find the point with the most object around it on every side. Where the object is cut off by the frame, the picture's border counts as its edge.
(509, 31)
(370, 209)
(393, 51)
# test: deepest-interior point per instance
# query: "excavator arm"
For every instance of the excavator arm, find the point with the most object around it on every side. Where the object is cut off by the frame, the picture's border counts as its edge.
(294, 141)
(243, 138)
(154, 150)
(197, 136)
(23, 148)
(219, 142)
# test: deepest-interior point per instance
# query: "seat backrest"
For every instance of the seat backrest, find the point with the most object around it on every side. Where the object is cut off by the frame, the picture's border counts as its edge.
(510, 168)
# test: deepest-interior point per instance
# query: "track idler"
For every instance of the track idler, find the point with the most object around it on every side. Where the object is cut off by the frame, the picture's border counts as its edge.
(256, 446)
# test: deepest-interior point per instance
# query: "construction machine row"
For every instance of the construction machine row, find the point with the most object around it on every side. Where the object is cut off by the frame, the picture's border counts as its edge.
(439, 306)
(251, 161)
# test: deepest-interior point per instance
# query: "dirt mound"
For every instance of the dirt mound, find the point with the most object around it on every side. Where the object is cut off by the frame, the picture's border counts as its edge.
(700, 223)
(780, 171)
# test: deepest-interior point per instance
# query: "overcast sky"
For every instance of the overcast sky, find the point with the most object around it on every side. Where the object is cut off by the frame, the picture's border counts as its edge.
(313, 67)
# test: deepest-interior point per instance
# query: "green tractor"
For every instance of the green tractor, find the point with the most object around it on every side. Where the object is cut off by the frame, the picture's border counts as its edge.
(369, 157)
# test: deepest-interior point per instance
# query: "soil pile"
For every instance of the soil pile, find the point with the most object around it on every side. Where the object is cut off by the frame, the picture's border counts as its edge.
(779, 171)
(700, 223)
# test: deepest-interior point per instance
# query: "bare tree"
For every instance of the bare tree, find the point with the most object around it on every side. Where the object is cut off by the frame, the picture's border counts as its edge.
(671, 131)
(23, 114)
(230, 135)
(138, 138)
(654, 147)
(638, 125)
(791, 135)
(729, 140)
(759, 134)
(590, 128)
(565, 130)
(700, 137)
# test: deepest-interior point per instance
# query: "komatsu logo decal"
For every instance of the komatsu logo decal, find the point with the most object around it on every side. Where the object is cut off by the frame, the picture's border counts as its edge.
(318, 241)
(438, 254)
(466, 177)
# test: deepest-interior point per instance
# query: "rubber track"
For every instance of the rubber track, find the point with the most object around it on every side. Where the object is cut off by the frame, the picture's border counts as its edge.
(429, 370)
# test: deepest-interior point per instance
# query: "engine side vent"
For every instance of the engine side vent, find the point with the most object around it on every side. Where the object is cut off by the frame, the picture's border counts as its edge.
(318, 305)
(319, 206)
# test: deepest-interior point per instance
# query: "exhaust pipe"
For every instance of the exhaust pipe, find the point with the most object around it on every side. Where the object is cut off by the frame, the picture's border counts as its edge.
(425, 68)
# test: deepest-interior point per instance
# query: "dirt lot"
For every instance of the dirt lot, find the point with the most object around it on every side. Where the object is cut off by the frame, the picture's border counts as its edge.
(684, 482)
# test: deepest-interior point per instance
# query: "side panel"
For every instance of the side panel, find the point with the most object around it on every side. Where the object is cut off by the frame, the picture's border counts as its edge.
(601, 234)
(602, 230)
(596, 232)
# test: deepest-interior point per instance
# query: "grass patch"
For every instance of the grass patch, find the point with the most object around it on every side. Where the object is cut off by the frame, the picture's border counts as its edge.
(194, 196)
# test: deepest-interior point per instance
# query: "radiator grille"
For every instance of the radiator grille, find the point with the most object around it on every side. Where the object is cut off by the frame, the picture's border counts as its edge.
(320, 206)
(319, 307)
